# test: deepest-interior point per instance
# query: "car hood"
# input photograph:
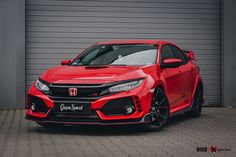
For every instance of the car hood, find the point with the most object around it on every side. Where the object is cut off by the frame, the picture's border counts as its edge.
(85, 75)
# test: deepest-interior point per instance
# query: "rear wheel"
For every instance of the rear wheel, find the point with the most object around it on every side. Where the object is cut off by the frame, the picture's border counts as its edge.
(196, 109)
(159, 110)
(49, 125)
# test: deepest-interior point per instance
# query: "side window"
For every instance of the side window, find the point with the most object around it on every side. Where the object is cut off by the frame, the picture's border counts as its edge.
(166, 52)
(179, 54)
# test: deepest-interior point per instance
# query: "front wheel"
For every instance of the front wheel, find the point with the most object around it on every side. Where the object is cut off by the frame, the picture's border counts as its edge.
(159, 110)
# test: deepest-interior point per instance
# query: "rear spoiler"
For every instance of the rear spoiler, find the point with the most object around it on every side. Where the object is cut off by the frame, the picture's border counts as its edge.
(190, 54)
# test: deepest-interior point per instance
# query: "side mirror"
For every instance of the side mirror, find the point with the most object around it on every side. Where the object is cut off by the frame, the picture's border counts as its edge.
(190, 54)
(65, 62)
(171, 63)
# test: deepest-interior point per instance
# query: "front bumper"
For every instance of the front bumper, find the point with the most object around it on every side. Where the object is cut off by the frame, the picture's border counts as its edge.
(140, 96)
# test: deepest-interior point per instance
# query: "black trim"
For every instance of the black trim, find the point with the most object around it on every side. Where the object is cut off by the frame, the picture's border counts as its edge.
(84, 120)
(74, 99)
(44, 82)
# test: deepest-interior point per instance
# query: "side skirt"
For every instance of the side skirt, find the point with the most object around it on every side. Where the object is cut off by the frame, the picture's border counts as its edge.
(181, 111)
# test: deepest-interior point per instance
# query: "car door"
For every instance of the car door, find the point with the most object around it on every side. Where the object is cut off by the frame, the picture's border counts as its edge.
(172, 77)
(186, 80)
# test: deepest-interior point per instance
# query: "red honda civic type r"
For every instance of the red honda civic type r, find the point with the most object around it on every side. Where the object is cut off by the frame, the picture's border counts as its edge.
(119, 82)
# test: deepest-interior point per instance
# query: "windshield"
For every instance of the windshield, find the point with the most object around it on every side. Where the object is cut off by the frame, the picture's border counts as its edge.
(125, 54)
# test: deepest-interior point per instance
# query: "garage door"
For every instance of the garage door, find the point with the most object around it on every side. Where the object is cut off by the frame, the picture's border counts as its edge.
(60, 29)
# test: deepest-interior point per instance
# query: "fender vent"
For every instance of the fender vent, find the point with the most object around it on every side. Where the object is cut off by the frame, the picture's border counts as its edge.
(136, 100)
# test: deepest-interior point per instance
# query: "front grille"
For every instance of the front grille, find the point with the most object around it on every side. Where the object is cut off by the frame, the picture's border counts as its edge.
(60, 92)
(82, 91)
(86, 93)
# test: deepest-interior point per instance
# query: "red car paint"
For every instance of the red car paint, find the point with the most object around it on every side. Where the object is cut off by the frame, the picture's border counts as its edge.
(178, 83)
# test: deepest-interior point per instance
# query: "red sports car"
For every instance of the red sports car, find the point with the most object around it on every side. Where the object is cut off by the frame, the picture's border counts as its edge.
(119, 82)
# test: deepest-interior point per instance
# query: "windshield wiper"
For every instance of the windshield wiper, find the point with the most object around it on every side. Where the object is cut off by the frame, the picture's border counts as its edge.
(96, 66)
(118, 65)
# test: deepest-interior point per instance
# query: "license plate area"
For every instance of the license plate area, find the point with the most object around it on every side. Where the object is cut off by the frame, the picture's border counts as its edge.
(73, 108)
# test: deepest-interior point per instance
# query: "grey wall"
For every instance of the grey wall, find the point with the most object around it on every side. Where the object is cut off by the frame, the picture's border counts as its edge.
(12, 53)
(229, 52)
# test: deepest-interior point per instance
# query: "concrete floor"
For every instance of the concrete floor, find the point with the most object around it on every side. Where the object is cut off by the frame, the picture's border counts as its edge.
(180, 137)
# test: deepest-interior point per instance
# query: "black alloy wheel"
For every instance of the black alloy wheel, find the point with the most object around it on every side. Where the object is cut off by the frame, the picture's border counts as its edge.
(159, 110)
(196, 109)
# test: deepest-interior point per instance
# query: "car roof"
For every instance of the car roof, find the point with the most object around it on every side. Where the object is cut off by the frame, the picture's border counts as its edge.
(130, 42)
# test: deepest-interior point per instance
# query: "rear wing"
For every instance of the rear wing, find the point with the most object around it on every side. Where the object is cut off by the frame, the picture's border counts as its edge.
(190, 54)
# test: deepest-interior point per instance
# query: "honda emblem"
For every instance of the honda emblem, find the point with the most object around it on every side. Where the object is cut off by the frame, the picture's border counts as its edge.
(72, 91)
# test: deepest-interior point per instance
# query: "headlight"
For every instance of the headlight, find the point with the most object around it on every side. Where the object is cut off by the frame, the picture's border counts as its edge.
(125, 86)
(41, 86)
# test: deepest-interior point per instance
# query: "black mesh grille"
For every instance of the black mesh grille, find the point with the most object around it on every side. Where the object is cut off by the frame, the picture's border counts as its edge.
(40, 106)
(117, 106)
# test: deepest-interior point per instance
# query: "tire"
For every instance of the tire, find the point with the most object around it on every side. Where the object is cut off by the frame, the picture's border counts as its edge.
(196, 109)
(49, 125)
(159, 110)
